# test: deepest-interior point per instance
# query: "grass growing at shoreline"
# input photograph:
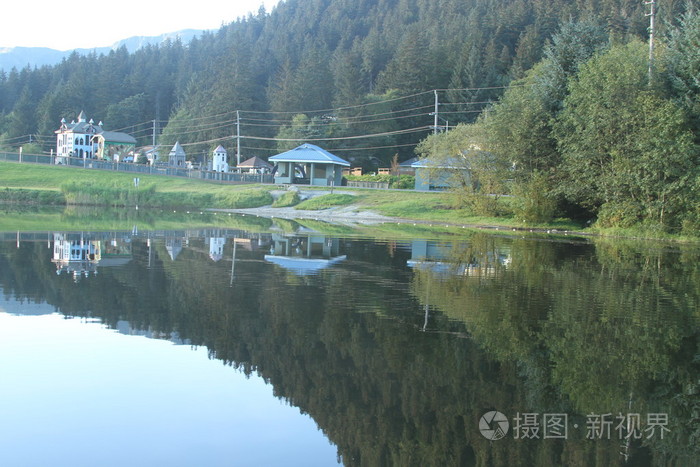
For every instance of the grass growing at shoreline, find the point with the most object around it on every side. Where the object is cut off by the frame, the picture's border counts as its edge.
(38, 184)
(30, 184)
(326, 201)
(288, 199)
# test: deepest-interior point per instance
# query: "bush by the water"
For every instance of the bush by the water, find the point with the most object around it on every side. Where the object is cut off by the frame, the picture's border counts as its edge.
(119, 195)
(290, 198)
(325, 202)
(241, 199)
(405, 182)
(115, 194)
(43, 197)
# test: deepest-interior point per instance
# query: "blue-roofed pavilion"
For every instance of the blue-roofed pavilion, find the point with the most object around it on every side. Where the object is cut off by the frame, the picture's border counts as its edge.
(308, 165)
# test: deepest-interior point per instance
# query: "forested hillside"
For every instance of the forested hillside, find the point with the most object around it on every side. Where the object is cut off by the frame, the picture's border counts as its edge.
(364, 79)
(351, 67)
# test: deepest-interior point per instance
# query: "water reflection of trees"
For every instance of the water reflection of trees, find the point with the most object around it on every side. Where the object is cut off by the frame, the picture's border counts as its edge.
(608, 326)
(554, 327)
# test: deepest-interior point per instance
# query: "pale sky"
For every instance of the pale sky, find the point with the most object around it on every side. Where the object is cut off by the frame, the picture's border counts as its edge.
(71, 25)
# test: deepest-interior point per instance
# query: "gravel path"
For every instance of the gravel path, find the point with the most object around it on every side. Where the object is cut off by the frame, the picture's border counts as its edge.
(339, 214)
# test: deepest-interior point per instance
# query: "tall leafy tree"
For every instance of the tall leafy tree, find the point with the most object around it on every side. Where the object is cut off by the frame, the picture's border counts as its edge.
(627, 153)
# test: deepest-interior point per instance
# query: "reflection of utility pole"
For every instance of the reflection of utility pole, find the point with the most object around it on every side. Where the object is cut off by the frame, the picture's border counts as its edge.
(233, 262)
(630, 431)
(652, 20)
(427, 304)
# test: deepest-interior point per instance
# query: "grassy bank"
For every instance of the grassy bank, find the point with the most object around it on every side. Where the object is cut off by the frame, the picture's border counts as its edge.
(25, 184)
(57, 185)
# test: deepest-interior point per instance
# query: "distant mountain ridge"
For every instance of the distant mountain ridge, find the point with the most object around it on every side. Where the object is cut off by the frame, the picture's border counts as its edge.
(20, 57)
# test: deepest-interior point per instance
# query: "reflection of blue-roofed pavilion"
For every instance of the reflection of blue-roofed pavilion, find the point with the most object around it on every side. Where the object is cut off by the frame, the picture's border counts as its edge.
(304, 255)
(308, 165)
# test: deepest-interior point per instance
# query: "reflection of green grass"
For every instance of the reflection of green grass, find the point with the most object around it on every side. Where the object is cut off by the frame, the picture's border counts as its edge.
(81, 218)
(326, 201)
(330, 229)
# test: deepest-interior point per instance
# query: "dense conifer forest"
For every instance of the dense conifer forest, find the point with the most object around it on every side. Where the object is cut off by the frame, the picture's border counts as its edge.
(562, 81)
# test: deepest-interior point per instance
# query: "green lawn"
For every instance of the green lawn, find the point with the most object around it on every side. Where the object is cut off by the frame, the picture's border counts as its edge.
(97, 187)
(52, 177)
(326, 201)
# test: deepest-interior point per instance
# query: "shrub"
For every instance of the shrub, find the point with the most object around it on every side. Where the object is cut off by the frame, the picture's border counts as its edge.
(403, 182)
(533, 201)
(398, 182)
(242, 199)
(325, 202)
(21, 196)
(290, 198)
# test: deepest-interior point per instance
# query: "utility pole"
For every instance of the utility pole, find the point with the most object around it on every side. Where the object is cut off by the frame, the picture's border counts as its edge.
(238, 138)
(435, 113)
(154, 133)
(652, 21)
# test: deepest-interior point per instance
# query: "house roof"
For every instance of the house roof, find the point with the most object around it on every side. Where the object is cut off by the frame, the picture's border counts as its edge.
(307, 153)
(79, 127)
(82, 126)
(427, 163)
(177, 150)
(256, 163)
(117, 137)
(408, 162)
(220, 148)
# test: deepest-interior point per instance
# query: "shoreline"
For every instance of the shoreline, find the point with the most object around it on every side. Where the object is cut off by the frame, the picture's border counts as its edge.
(352, 215)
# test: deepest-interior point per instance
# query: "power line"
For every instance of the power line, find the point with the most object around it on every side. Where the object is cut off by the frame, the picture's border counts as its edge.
(265, 119)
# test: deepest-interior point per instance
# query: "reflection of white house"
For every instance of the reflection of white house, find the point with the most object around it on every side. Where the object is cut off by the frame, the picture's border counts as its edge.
(74, 254)
(216, 248)
(86, 140)
(304, 255)
(219, 161)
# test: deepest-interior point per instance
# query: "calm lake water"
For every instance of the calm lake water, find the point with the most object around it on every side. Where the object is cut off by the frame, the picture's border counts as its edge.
(290, 347)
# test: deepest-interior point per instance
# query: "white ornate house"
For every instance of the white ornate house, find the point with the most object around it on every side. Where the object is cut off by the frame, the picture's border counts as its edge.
(85, 140)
